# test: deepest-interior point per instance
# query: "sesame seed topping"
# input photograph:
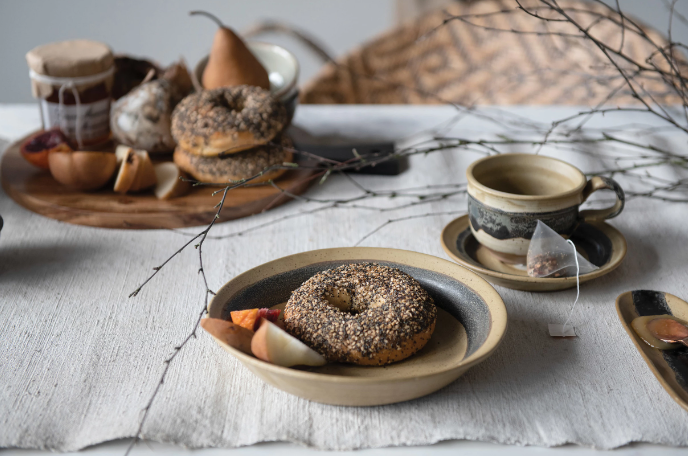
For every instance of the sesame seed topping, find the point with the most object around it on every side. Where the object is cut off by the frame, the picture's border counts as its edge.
(358, 311)
(228, 110)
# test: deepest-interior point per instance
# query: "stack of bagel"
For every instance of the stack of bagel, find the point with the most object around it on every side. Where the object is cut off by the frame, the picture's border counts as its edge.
(229, 134)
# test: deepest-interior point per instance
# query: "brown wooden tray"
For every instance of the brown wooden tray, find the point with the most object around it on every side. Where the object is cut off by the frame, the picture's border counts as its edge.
(36, 190)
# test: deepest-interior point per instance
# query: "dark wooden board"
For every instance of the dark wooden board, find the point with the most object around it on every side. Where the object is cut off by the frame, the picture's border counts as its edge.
(36, 190)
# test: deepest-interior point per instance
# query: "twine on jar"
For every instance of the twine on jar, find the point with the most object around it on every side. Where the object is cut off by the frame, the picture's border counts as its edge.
(63, 118)
(71, 83)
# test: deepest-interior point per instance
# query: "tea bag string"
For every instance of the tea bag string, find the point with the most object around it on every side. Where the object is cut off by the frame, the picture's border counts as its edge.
(575, 255)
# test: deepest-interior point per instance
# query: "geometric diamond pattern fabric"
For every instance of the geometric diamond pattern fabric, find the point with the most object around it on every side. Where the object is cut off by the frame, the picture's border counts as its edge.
(425, 62)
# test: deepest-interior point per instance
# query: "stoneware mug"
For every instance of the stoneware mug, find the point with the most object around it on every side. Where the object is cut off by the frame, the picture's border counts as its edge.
(509, 193)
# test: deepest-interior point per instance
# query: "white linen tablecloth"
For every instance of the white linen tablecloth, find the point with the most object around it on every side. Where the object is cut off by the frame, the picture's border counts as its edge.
(79, 359)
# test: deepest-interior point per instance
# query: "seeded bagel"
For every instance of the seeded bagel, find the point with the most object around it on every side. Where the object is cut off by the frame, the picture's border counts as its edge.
(364, 313)
(234, 167)
(227, 120)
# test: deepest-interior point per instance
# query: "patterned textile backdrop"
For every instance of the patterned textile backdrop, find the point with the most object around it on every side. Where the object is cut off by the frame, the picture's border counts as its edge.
(477, 59)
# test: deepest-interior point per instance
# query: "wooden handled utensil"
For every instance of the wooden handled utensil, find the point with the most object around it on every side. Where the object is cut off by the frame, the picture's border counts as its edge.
(670, 331)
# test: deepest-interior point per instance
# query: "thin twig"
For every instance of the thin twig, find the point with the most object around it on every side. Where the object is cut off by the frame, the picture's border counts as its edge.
(622, 72)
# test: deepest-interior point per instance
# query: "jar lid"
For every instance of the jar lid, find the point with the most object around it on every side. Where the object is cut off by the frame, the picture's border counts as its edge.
(70, 58)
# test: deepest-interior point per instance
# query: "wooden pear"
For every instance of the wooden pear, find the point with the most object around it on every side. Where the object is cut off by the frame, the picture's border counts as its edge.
(231, 63)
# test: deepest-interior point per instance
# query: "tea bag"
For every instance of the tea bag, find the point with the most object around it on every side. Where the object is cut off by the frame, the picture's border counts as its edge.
(549, 255)
(561, 330)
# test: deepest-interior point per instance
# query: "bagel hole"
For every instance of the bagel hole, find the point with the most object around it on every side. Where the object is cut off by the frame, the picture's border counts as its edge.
(346, 301)
(339, 298)
(235, 104)
(239, 106)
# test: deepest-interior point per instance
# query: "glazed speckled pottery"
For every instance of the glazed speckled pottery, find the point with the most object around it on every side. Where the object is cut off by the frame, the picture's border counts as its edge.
(509, 193)
(471, 322)
(598, 242)
(669, 366)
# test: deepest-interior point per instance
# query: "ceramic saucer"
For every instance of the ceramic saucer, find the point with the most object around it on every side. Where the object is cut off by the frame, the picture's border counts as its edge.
(602, 244)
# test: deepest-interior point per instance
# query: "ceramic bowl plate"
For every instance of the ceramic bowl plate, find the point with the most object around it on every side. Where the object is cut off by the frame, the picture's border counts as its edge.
(669, 366)
(602, 245)
(281, 65)
(471, 322)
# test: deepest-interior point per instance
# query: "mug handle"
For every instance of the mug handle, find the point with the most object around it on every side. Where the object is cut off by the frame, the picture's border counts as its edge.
(600, 183)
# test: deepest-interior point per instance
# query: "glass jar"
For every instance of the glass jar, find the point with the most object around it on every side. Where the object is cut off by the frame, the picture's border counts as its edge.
(72, 81)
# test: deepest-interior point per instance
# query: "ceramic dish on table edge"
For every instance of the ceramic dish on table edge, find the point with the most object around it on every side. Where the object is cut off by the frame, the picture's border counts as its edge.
(460, 227)
(670, 367)
(471, 300)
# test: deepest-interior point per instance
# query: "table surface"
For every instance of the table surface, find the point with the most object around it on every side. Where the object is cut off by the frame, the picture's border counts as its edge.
(17, 120)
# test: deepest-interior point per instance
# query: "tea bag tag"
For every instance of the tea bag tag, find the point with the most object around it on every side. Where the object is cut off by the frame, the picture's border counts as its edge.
(556, 330)
(565, 330)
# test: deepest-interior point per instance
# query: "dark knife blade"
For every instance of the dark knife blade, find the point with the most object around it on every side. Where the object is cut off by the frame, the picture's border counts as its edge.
(342, 153)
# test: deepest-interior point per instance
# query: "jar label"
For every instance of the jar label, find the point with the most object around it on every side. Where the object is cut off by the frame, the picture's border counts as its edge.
(93, 117)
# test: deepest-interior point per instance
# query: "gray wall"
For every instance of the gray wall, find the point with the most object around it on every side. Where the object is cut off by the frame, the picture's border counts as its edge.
(164, 31)
(161, 29)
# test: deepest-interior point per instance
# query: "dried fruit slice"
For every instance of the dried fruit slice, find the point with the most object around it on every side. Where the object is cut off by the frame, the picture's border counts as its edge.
(269, 314)
(276, 346)
(37, 148)
(127, 171)
(121, 152)
(245, 318)
(169, 183)
(273, 314)
(229, 333)
(145, 175)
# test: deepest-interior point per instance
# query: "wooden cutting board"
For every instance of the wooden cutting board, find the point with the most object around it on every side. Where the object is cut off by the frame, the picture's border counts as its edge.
(36, 190)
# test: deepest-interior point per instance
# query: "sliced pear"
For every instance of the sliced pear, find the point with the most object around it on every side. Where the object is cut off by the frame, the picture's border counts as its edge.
(229, 333)
(169, 183)
(276, 346)
(121, 152)
(145, 175)
(127, 171)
